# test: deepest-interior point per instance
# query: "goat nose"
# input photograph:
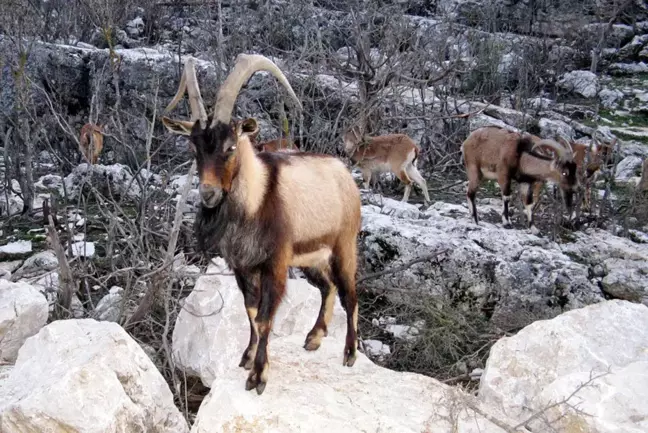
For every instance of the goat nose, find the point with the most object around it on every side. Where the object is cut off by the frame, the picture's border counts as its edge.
(206, 192)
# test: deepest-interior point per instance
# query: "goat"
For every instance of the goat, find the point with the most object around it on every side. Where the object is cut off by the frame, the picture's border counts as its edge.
(265, 212)
(393, 152)
(589, 159)
(276, 145)
(494, 153)
(91, 141)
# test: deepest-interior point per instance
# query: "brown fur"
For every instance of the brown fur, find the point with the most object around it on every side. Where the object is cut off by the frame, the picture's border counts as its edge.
(393, 152)
(266, 211)
(497, 154)
(91, 141)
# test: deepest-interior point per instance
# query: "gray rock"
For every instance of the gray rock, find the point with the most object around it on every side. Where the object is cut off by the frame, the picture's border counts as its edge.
(555, 128)
(627, 168)
(521, 276)
(109, 307)
(38, 264)
(610, 97)
(584, 83)
(627, 279)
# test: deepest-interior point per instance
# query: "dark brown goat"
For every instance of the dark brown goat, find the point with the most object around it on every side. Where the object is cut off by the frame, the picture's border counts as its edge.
(266, 211)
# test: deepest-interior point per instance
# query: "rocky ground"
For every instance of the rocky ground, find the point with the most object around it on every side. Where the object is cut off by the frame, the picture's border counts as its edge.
(463, 327)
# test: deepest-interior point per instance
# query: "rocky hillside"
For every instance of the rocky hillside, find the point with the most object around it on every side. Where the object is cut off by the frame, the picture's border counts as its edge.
(104, 299)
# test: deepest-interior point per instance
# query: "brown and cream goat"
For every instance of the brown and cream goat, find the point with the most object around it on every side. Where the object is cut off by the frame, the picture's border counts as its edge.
(91, 141)
(393, 152)
(264, 212)
(494, 153)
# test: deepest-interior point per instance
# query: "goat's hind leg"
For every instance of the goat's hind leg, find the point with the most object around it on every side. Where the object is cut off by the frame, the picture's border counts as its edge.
(250, 291)
(321, 279)
(504, 182)
(343, 273)
(273, 286)
(527, 193)
(415, 175)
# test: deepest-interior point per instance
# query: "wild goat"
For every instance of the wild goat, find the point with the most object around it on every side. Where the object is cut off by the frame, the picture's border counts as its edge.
(91, 141)
(263, 212)
(498, 154)
(393, 152)
(589, 159)
(276, 145)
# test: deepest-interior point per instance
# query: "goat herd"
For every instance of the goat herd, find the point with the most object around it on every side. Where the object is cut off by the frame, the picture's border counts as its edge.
(268, 206)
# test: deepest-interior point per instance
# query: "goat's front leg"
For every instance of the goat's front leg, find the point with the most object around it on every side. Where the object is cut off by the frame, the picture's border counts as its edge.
(528, 192)
(246, 283)
(505, 185)
(273, 286)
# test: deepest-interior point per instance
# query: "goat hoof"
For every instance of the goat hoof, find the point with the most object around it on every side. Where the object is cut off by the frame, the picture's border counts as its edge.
(254, 381)
(535, 230)
(251, 382)
(349, 358)
(314, 339)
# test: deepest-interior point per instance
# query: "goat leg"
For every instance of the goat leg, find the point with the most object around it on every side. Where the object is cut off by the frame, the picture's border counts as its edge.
(250, 291)
(273, 286)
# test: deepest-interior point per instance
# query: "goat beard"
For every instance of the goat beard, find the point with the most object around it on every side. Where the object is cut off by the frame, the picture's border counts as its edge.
(225, 231)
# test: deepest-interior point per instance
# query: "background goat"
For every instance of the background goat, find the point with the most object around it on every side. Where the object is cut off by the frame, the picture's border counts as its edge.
(394, 152)
(91, 141)
(263, 212)
(494, 153)
(277, 145)
(589, 159)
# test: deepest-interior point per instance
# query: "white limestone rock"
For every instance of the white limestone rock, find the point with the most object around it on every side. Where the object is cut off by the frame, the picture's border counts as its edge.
(16, 249)
(212, 329)
(312, 392)
(84, 376)
(23, 312)
(547, 361)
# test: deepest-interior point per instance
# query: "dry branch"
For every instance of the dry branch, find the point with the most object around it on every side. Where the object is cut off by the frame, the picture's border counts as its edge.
(66, 282)
(400, 268)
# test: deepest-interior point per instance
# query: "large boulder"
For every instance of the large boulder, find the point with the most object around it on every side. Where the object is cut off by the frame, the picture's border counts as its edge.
(313, 392)
(602, 346)
(81, 375)
(212, 329)
(23, 312)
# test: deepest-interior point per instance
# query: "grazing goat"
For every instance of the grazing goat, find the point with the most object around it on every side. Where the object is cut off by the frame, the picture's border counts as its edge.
(91, 141)
(265, 212)
(589, 159)
(393, 152)
(495, 153)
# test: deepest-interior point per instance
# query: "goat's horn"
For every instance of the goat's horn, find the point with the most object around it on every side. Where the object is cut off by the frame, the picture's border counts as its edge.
(560, 150)
(189, 82)
(246, 65)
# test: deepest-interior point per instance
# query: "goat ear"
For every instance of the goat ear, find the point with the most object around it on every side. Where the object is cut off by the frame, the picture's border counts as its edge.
(180, 127)
(249, 126)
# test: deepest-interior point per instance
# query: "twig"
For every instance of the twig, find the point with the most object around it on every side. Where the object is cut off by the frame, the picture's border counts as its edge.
(401, 267)
(66, 288)
(149, 297)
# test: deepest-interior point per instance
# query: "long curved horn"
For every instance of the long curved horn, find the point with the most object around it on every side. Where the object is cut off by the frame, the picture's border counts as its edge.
(563, 154)
(189, 82)
(246, 65)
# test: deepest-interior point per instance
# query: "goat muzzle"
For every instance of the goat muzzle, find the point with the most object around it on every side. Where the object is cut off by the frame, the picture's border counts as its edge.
(210, 196)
